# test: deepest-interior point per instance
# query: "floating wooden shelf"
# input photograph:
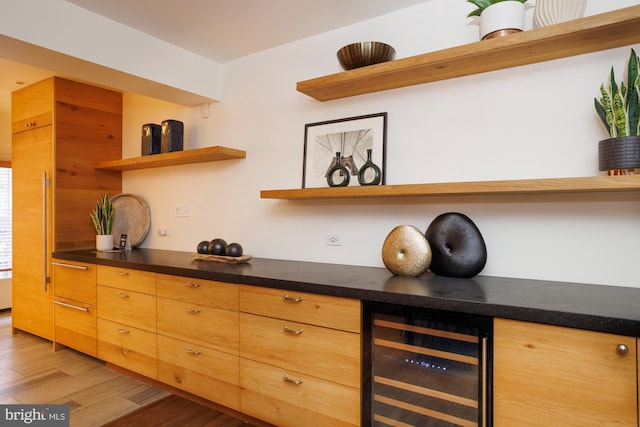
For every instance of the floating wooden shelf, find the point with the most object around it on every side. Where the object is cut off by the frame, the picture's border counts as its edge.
(200, 155)
(599, 32)
(593, 184)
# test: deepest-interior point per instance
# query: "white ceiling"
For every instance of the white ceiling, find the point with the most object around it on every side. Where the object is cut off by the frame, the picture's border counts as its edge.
(221, 30)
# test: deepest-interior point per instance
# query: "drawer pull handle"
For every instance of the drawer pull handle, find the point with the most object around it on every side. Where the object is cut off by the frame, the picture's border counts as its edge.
(121, 295)
(291, 380)
(123, 273)
(622, 349)
(291, 331)
(286, 297)
(62, 264)
(29, 124)
(192, 352)
(75, 307)
(193, 284)
(193, 310)
(122, 331)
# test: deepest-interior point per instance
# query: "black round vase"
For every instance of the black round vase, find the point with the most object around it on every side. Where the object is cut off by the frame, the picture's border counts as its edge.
(618, 155)
(338, 169)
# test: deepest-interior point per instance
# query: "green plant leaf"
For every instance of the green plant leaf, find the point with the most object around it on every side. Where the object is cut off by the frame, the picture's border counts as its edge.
(632, 97)
(602, 114)
(608, 108)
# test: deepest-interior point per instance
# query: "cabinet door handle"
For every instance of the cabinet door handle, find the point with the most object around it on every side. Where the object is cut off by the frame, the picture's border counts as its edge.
(291, 331)
(193, 284)
(192, 310)
(75, 307)
(291, 380)
(122, 331)
(286, 297)
(485, 381)
(622, 349)
(45, 183)
(193, 352)
(62, 264)
(123, 296)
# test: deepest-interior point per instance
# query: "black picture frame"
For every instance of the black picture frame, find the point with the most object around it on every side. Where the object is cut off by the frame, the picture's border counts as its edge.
(352, 137)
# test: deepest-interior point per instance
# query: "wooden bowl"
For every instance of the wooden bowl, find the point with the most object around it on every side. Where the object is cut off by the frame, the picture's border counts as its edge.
(361, 54)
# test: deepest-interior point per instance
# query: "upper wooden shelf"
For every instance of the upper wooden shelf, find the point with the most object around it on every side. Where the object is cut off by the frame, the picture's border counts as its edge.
(200, 155)
(592, 184)
(599, 32)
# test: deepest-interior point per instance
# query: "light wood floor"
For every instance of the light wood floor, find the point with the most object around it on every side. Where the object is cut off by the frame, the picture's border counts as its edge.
(32, 373)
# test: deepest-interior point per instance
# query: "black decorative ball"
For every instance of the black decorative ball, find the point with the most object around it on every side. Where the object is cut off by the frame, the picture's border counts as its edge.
(458, 249)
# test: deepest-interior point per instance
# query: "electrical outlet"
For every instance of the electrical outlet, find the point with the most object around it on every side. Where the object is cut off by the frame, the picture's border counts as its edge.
(183, 210)
(333, 240)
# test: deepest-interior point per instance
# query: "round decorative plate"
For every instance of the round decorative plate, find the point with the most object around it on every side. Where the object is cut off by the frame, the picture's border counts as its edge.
(132, 217)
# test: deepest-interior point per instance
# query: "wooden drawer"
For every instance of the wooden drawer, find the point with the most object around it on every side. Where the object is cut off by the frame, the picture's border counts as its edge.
(130, 308)
(200, 370)
(127, 347)
(206, 292)
(324, 353)
(199, 323)
(75, 325)
(321, 310)
(306, 400)
(123, 278)
(75, 280)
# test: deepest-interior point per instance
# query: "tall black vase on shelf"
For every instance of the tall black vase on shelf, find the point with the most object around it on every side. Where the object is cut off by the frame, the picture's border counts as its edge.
(338, 169)
(369, 166)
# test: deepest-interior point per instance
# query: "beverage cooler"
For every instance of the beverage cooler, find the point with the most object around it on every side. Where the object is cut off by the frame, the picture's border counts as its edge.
(425, 367)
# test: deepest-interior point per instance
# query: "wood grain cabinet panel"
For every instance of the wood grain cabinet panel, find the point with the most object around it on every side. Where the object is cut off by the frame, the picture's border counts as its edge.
(287, 398)
(322, 310)
(200, 370)
(131, 348)
(60, 129)
(128, 279)
(200, 323)
(324, 353)
(549, 375)
(206, 292)
(75, 325)
(74, 311)
(134, 309)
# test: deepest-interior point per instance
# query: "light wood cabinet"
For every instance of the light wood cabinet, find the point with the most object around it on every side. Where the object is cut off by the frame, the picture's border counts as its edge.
(299, 355)
(198, 337)
(60, 130)
(127, 319)
(549, 375)
(74, 289)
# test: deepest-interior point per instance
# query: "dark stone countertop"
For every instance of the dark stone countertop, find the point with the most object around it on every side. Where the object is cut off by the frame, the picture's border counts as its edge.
(609, 309)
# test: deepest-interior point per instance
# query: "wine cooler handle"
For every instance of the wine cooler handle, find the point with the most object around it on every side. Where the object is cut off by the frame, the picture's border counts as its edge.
(485, 385)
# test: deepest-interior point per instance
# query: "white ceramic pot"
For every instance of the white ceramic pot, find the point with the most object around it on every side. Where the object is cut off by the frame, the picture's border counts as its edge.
(501, 19)
(104, 242)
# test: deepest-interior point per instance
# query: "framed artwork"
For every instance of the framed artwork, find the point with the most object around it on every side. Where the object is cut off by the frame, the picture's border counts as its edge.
(352, 138)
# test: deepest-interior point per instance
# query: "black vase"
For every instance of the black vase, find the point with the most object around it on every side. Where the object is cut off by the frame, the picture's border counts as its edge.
(338, 169)
(362, 179)
(619, 155)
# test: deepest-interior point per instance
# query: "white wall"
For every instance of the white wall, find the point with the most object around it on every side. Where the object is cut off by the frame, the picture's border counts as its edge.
(528, 122)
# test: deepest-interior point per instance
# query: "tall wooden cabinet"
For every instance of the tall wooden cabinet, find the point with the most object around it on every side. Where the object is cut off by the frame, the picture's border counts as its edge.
(61, 129)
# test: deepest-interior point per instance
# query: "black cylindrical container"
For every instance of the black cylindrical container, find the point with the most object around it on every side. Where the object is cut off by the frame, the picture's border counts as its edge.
(150, 139)
(172, 135)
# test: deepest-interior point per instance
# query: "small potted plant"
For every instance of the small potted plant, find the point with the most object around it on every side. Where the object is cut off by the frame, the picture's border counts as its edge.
(498, 17)
(102, 219)
(618, 109)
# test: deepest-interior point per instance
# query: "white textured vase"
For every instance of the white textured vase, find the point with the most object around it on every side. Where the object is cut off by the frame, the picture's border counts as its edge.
(104, 242)
(549, 12)
(501, 19)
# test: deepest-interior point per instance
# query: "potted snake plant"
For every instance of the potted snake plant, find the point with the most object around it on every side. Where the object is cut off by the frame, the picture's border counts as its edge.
(102, 219)
(498, 17)
(619, 112)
